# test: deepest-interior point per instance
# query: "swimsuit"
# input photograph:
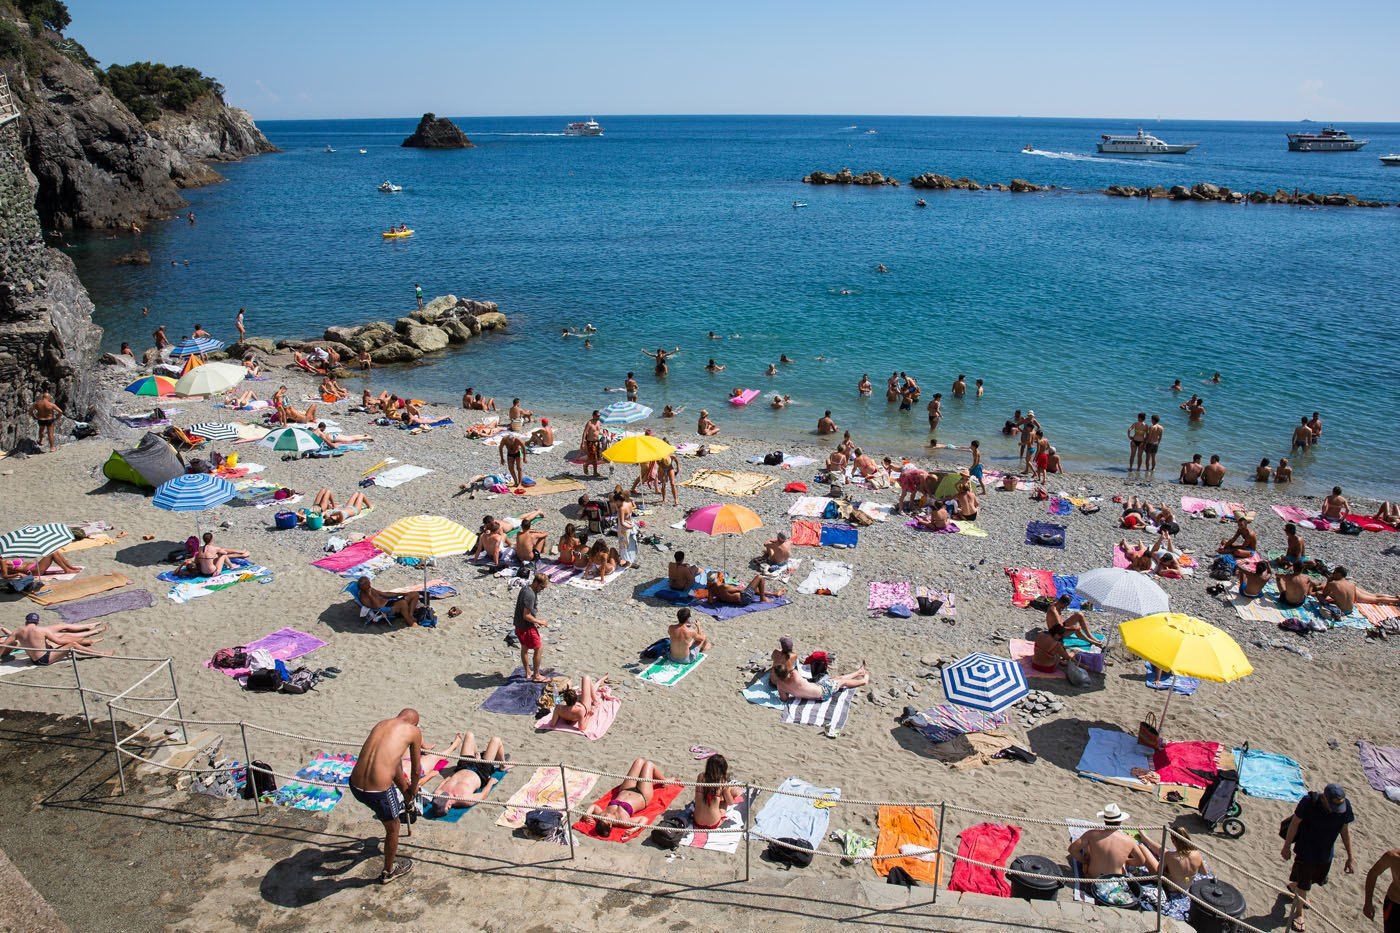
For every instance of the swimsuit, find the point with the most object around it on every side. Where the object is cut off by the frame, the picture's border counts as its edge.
(1052, 669)
(384, 804)
(622, 805)
(720, 822)
(44, 659)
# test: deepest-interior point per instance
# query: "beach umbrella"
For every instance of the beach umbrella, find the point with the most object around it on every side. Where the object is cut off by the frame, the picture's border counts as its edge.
(210, 379)
(213, 430)
(1181, 644)
(35, 541)
(724, 519)
(293, 439)
(424, 536)
(191, 346)
(152, 385)
(639, 448)
(624, 413)
(984, 682)
(193, 492)
(1122, 590)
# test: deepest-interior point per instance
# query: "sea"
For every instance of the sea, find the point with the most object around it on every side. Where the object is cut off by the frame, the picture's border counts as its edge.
(1082, 307)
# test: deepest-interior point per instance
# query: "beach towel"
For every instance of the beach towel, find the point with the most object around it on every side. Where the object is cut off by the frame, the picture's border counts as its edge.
(724, 612)
(908, 826)
(761, 692)
(593, 583)
(1270, 775)
(806, 533)
(330, 769)
(1022, 651)
(830, 714)
(667, 673)
(1065, 585)
(545, 791)
(518, 696)
(829, 575)
(1190, 763)
(104, 605)
(1035, 529)
(13, 664)
(992, 843)
(171, 576)
(1028, 583)
(1110, 753)
(842, 536)
(69, 590)
(727, 835)
(663, 590)
(198, 588)
(285, 644)
(662, 797)
(1381, 764)
(808, 507)
(1367, 523)
(456, 813)
(557, 572)
(1059, 506)
(947, 598)
(603, 717)
(946, 722)
(395, 477)
(971, 530)
(951, 528)
(1304, 518)
(1163, 680)
(350, 556)
(744, 397)
(784, 817)
(730, 482)
(880, 511)
(887, 593)
(552, 486)
(84, 544)
(1383, 616)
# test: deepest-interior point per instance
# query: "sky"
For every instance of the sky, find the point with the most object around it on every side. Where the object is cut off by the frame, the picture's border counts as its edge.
(1227, 59)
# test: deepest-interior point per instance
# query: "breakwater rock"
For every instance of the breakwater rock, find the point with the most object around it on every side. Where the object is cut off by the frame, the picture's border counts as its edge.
(1205, 191)
(847, 177)
(436, 132)
(936, 182)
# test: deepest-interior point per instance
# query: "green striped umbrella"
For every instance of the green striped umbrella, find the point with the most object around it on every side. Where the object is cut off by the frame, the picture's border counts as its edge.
(35, 541)
(297, 440)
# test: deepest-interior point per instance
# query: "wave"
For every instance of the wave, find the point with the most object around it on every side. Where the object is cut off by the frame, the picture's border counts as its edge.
(486, 133)
(1087, 157)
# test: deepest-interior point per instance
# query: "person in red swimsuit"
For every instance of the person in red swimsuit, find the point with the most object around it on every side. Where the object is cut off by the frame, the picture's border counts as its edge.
(711, 802)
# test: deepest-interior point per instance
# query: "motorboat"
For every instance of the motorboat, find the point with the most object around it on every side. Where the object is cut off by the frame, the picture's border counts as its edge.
(1028, 148)
(1141, 144)
(799, 203)
(329, 149)
(1330, 139)
(389, 187)
(869, 132)
(363, 151)
(587, 127)
(921, 203)
(1393, 159)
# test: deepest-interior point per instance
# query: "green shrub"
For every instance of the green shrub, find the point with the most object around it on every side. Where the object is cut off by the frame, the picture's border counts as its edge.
(147, 88)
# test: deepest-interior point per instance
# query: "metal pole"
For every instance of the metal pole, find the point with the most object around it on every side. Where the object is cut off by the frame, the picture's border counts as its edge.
(117, 747)
(938, 859)
(247, 767)
(748, 810)
(1161, 889)
(179, 708)
(78, 681)
(568, 820)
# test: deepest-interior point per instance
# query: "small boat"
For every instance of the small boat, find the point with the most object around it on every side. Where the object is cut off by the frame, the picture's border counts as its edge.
(869, 132)
(1028, 148)
(396, 234)
(389, 187)
(799, 203)
(921, 203)
(587, 127)
(363, 151)
(329, 149)
(1393, 159)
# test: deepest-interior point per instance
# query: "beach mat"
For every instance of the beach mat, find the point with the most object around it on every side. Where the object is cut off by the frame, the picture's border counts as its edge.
(85, 544)
(1178, 683)
(667, 673)
(1029, 583)
(806, 817)
(946, 722)
(104, 605)
(727, 835)
(602, 720)
(725, 612)
(456, 813)
(992, 843)
(829, 575)
(552, 486)
(908, 826)
(395, 477)
(1111, 753)
(187, 590)
(544, 791)
(69, 590)
(1380, 763)
(519, 696)
(1035, 529)
(332, 769)
(1270, 775)
(730, 482)
(662, 797)
(352, 555)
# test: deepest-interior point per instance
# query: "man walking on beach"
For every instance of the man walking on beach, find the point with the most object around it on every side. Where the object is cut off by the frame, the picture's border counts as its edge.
(378, 780)
(528, 625)
(1310, 839)
(46, 415)
(418, 293)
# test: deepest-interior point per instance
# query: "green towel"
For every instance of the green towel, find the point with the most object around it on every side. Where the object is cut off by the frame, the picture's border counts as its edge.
(667, 673)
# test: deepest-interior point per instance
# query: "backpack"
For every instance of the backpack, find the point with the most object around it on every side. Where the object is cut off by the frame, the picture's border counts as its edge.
(929, 606)
(230, 658)
(798, 856)
(1222, 568)
(593, 514)
(657, 649)
(266, 678)
(260, 781)
(302, 680)
(773, 459)
(544, 824)
(819, 662)
(1348, 528)
(668, 832)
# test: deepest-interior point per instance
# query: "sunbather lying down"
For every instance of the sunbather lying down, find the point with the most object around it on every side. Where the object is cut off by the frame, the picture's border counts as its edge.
(17, 569)
(793, 686)
(335, 514)
(467, 780)
(721, 590)
(632, 796)
(577, 707)
(45, 644)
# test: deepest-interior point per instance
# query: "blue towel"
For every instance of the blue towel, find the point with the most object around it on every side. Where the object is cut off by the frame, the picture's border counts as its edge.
(518, 697)
(662, 589)
(763, 693)
(839, 536)
(1266, 774)
(784, 817)
(1180, 683)
(456, 813)
(171, 576)
(724, 612)
(1111, 753)
(1035, 529)
(1065, 584)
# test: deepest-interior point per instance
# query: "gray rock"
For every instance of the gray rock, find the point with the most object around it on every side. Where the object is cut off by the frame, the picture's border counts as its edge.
(119, 359)
(491, 320)
(457, 331)
(395, 353)
(435, 132)
(137, 257)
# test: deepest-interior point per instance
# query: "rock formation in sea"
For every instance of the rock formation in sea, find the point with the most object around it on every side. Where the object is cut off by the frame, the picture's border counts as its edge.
(436, 132)
(847, 177)
(1205, 191)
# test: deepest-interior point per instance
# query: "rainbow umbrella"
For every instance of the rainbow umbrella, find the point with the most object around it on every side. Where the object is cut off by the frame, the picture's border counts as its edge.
(159, 386)
(724, 519)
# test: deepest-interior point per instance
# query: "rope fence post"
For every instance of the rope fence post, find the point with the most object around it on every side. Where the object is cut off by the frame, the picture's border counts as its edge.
(117, 748)
(938, 863)
(748, 838)
(78, 681)
(568, 816)
(251, 781)
(179, 709)
(1161, 889)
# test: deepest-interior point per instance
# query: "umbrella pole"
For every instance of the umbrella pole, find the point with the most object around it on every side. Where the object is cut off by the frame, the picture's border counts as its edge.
(1162, 721)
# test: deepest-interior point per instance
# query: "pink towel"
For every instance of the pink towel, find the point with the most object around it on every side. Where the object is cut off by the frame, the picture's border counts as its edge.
(351, 556)
(597, 726)
(992, 843)
(1022, 651)
(887, 593)
(1120, 560)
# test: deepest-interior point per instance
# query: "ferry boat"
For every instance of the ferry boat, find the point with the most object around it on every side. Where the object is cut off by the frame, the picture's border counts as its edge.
(1141, 144)
(1330, 139)
(1393, 159)
(587, 127)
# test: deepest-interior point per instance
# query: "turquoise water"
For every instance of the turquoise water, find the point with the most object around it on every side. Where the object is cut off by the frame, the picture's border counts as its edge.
(1079, 306)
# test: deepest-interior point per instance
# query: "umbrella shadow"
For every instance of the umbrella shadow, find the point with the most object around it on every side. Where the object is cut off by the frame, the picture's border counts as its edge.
(149, 553)
(1062, 741)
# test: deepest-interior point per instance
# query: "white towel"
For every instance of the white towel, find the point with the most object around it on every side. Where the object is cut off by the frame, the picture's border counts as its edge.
(826, 575)
(400, 475)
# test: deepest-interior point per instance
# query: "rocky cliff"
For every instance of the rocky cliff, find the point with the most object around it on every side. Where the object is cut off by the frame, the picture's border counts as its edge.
(210, 129)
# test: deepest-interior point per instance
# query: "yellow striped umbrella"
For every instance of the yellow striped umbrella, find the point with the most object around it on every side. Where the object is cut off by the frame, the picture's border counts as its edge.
(424, 536)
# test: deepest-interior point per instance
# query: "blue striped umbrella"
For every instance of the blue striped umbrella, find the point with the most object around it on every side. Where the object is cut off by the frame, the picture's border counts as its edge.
(625, 413)
(985, 682)
(193, 492)
(191, 346)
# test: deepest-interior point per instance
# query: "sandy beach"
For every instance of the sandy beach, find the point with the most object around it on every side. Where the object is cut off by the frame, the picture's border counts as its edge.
(1309, 698)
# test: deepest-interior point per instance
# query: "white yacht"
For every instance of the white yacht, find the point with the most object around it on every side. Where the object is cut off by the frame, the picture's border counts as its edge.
(1141, 144)
(587, 127)
(1392, 159)
(1330, 139)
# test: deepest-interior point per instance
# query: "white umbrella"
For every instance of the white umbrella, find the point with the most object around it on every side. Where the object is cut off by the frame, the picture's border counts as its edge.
(1124, 590)
(293, 439)
(214, 430)
(210, 379)
(624, 413)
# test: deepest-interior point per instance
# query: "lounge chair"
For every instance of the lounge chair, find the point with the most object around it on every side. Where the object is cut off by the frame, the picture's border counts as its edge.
(370, 615)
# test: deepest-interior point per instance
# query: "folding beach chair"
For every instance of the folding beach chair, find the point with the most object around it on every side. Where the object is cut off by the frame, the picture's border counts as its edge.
(371, 616)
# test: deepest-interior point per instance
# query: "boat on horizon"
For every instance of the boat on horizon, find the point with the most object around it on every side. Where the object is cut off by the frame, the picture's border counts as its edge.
(388, 187)
(1142, 144)
(1392, 160)
(363, 151)
(1328, 139)
(799, 203)
(587, 127)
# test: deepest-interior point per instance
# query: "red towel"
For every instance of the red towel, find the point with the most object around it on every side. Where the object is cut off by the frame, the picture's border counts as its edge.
(1367, 523)
(806, 533)
(1027, 583)
(661, 798)
(1186, 762)
(795, 487)
(986, 842)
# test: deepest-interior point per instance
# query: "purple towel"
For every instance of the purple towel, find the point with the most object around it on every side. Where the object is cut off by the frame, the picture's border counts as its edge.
(1035, 529)
(284, 645)
(104, 605)
(517, 697)
(724, 612)
(1381, 764)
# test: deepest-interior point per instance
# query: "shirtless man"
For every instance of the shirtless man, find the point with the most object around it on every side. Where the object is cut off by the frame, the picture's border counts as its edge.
(593, 444)
(378, 781)
(470, 779)
(1342, 594)
(160, 339)
(45, 644)
(543, 436)
(1137, 436)
(705, 427)
(1073, 624)
(680, 575)
(793, 686)
(404, 606)
(512, 454)
(1191, 472)
(1335, 506)
(1195, 408)
(1152, 443)
(661, 356)
(864, 387)
(630, 386)
(960, 386)
(518, 415)
(46, 415)
(935, 412)
(1390, 912)
(1315, 426)
(1252, 581)
(529, 543)
(1243, 543)
(825, 424)
(1214, 473)
(1302, 436)
(778, 551)
(213, 560)
(1294, 587)
(688, 639)
(1110, 851)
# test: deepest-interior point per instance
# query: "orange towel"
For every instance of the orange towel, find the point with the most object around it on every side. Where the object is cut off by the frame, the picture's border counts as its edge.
(900, 826)
(806, 533)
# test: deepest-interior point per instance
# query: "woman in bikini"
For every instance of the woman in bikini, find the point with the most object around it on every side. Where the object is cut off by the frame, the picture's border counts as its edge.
(576, 707)
(568, 545)
(631, 797)
(338, 515)
(712, 802)
(597, 560)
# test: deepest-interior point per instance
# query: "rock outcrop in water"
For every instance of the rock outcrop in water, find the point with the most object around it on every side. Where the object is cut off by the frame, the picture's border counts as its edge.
(1205, 191)
(436, 132)
(847, 177)
(445, 321)
(936, 182)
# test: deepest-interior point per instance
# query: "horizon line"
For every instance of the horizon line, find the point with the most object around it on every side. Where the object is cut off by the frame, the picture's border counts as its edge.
(868, 116)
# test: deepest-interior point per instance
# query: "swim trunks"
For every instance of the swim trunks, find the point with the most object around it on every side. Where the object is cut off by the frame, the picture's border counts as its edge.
(384, 804)
(1150, 448)
(976, 470)
(44, 659)
(529, 638)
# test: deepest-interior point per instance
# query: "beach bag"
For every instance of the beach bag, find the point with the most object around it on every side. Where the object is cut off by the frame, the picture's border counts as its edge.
(773, 459)
(798, 856)
(929, 606)
(300, 681)
(669, 832)
(1076, 675)
(426, 616)
(264, 679)
(795, 487)
(593, 515)
(1222, 568)
(260, 781)
(544, 824)
(1148, 733)
(819, 662)
(230, 658)
(657, 649)
(1114, 891)
(285, 520)
(1348, 528)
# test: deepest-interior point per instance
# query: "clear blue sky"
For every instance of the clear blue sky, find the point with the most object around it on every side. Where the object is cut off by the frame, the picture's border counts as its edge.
(1227, 59)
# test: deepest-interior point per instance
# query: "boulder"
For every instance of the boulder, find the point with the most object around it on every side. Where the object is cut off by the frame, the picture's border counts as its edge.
(847, 177)
(931, 180)
(1258, 197)
(118, 359)
(151, 357)
(1205, 191)
(426, 337)
(260, 344)
(473, 325)
(472, 306)
(1156, 191)
(457, 331)
(342, 334)
(1121, 191)
(1179, 193)
(436, 132)
(137, 257)
(491, 320)
(436, 308)
(394, 353)
(1020, 185)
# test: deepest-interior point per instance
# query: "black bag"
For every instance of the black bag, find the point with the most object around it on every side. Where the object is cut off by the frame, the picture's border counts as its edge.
(260, 781)
(1348, 528)
(668, 832)
(266, 679)
(929, 607)
(773, 459)
(657, 649)
(1041, 604)
(593, 515)
(1221, 568)
(898, 875)
(799, 856)
(302, 680)
(544, 824)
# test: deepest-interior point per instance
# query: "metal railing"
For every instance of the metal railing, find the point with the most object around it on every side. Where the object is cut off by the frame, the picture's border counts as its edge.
(9, 110)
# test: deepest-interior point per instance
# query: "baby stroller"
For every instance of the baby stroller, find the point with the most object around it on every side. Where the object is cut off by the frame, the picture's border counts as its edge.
(1218, 805)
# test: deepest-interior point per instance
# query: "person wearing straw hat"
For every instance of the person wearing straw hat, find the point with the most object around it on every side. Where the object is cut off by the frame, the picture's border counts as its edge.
(1107, 850)
(378, 780)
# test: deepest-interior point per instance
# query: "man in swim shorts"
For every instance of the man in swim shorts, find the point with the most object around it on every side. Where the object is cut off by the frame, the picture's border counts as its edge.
(512, 456)
(688, 639)
(1152, 443)
(378, 781)
(46, 414)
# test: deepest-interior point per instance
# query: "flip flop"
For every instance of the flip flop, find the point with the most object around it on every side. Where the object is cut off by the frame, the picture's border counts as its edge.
(334, 670)
(701, 752)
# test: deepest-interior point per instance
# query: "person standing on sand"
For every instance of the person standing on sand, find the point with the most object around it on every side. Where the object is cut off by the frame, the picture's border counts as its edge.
(1390, 912)
(975, 471)
(1310, 841)
(527, 626)
(46, 414)
(1151, 444)
(1137, 435)
(513, 455)
(418, 294)
(238, 323)
(593, 444)
(378, 780)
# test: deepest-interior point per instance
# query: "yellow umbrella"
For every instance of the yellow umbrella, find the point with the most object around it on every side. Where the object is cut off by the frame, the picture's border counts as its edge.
(424, 536)
(210, 379)
(639, 448)
(1184, 645)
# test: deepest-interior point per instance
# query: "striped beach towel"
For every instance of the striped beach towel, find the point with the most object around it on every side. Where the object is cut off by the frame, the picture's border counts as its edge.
(830, 713)
(667, 673)
(946, 722)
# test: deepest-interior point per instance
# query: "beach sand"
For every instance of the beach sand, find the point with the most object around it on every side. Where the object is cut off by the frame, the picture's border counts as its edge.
(1312, 709)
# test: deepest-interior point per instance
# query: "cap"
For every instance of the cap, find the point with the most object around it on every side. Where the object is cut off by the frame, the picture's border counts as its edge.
(544, 421)
(1335, 792)
(32, 618)
(785, 643)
